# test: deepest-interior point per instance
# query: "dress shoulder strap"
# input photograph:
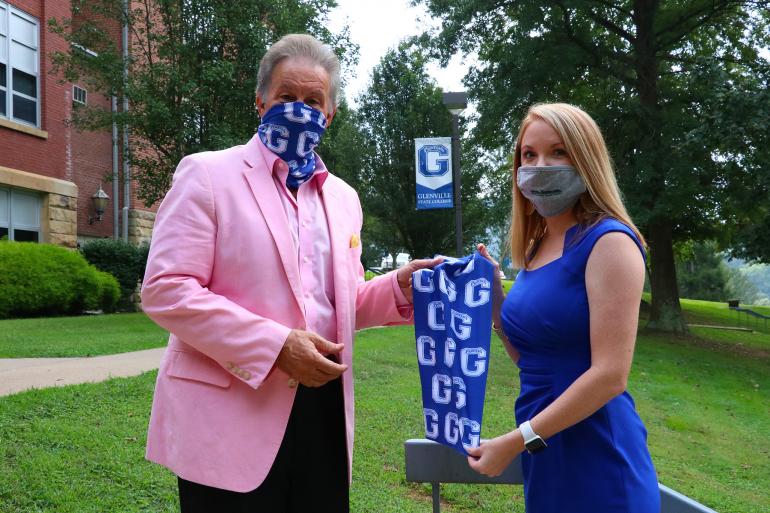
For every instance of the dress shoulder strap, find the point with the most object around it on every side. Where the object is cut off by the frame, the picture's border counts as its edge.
(584, 238)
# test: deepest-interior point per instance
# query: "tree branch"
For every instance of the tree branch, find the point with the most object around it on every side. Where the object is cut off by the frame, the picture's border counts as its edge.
(613, 5)
(612, 27)
(709, 12)
(591, 50)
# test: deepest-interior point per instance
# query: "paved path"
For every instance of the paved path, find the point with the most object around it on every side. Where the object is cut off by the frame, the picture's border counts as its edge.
(18, 374)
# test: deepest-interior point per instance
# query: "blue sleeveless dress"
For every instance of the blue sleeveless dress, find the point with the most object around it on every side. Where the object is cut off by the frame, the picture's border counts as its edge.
(601, 464)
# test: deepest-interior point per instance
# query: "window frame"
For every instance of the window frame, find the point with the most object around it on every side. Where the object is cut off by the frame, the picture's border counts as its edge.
(10, 226)
(5, 30)
(75, 90)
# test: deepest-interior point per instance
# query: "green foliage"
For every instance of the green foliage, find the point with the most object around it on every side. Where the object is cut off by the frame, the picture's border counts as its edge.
(124, 261)
(754, 280)
(703, 273)
(44, 279)
(193, 69)
(680, 90)
(403, 103)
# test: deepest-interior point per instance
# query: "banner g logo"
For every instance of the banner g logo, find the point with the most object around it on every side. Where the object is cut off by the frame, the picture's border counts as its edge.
(433, 160)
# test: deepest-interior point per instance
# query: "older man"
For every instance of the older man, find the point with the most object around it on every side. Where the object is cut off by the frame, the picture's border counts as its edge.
(255, 271)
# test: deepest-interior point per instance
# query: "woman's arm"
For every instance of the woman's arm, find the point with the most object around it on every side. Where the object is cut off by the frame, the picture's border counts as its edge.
(498, 296)
(614, 281)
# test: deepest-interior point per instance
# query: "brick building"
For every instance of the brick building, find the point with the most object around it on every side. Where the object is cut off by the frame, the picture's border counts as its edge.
(49, 170)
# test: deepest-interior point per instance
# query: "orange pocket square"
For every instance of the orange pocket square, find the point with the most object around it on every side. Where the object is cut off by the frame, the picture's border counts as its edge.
(354, 241)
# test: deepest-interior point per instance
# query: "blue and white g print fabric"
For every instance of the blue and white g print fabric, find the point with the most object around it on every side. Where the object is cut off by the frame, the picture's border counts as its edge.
(292, 131)
(452, 325)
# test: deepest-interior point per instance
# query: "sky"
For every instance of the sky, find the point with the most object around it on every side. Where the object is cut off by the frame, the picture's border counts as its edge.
(376, 26)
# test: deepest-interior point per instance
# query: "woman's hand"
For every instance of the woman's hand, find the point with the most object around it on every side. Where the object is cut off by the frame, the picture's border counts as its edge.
(493, 456)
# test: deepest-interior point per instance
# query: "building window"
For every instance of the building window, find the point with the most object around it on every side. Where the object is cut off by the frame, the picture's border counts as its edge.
(19, 215)
(19, 66)
(78, 95)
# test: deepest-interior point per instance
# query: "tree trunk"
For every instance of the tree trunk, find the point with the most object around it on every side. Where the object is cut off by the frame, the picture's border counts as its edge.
(666, 312)
(393, 254)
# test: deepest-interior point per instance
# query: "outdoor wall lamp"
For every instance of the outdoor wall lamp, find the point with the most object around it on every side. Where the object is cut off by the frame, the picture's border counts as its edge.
(100, 200)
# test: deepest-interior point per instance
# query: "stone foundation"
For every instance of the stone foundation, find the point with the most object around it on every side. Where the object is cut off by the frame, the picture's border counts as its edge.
(140, 224)
(61, 220)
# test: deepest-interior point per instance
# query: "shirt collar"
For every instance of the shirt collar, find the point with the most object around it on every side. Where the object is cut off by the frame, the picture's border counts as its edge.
(279, 168)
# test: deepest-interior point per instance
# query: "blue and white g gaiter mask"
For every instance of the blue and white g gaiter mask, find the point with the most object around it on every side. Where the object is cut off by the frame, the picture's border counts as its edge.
(452, 327)
(292, 131)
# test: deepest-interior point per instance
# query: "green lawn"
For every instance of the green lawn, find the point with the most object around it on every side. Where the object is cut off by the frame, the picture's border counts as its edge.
(718, 314)
(79, 449)
(79, 336)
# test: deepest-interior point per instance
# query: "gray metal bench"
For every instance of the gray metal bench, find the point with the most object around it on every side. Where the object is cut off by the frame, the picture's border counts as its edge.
(429, 462)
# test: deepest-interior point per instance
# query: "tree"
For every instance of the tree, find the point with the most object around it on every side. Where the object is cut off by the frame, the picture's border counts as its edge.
(193, 68)
(403, 103)
(679, 88)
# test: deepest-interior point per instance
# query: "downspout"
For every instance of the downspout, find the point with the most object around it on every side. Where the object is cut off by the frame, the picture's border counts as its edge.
(115, 173)
(126, 153)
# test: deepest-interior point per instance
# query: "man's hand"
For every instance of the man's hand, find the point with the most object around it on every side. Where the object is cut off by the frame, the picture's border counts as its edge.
(404, 274)
(303, 357)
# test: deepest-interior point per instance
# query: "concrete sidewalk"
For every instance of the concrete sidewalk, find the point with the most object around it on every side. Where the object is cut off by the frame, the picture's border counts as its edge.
(19, 374)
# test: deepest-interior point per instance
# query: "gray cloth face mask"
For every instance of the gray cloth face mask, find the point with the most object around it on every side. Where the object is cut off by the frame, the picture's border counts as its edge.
(552, 189)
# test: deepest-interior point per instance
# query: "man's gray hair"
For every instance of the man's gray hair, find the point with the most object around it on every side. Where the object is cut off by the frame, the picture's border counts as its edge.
(302, 46)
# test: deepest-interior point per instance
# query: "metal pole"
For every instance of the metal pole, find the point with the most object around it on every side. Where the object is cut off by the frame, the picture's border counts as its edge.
(436, 496)
(457, 185)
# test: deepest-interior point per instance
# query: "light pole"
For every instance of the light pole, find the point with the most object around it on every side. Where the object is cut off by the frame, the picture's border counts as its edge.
(456, 102)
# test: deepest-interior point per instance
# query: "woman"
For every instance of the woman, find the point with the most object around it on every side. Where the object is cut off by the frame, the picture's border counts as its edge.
(569, 323)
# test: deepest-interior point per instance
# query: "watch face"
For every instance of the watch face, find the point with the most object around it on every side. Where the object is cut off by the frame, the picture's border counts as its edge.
(535, 445)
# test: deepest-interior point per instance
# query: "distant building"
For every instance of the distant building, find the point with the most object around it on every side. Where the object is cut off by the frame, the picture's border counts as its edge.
(49, 171)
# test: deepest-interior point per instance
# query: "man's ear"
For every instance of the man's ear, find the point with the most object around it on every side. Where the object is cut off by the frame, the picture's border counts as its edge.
(260, 106)
(330, 117)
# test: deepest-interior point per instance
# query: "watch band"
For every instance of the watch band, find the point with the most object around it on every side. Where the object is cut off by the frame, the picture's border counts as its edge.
(532, 440)
(527, 432)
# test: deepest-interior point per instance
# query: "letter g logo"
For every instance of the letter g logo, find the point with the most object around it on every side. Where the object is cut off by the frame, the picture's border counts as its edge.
(433, 160)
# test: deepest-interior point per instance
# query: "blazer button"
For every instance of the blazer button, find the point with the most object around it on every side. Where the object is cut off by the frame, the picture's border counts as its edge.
(292, 383)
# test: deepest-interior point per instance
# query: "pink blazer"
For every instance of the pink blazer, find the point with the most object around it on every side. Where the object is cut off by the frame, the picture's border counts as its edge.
(222, 278)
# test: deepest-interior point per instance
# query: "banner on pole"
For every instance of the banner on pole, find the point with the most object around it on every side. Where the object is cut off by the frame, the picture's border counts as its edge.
(433, 165)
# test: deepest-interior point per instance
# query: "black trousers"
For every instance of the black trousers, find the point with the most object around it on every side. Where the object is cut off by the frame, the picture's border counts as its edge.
(310, 473)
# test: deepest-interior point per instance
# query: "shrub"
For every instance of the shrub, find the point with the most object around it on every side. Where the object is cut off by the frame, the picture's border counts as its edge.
(122, 260)
(43, 279)
(109, 292)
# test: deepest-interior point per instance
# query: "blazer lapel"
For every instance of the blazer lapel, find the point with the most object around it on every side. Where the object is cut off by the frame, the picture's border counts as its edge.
(260, 180)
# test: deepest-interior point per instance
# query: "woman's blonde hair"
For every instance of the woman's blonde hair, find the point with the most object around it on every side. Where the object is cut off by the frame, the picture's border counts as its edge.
(585, 145)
